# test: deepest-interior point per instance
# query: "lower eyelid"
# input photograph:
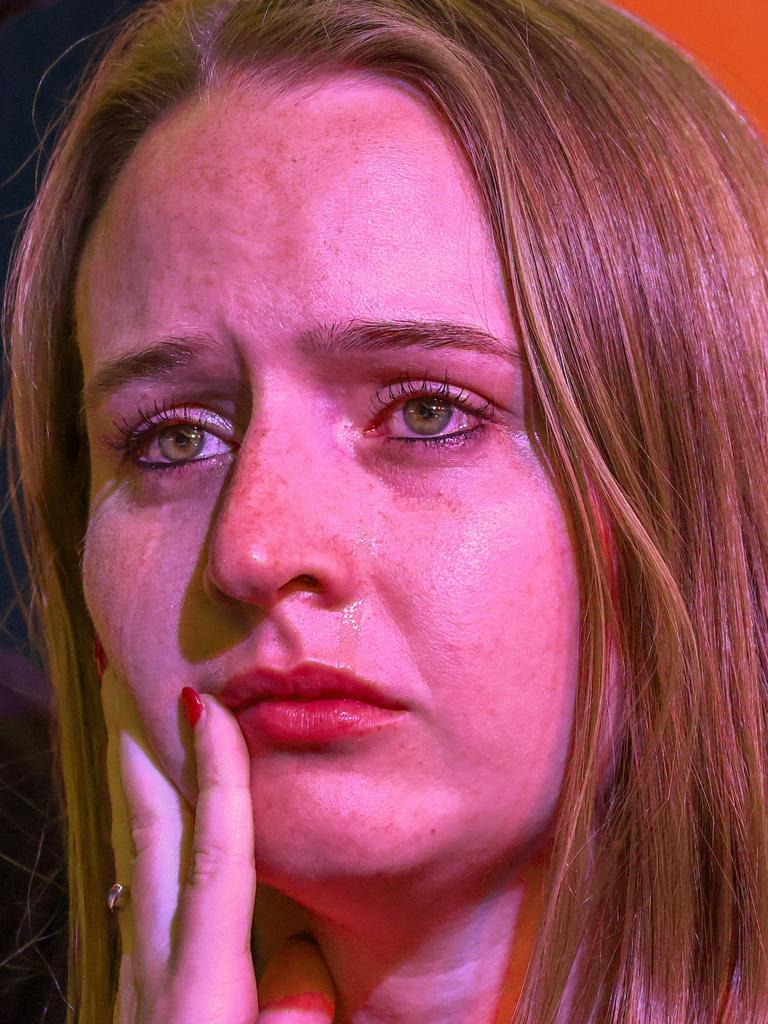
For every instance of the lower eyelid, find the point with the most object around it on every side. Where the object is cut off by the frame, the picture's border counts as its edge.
(447, 442)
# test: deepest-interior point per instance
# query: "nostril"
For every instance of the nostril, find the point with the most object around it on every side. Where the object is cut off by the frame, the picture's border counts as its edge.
(304, 581)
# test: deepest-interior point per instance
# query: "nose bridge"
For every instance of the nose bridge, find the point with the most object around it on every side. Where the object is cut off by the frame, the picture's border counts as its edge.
(287, 515)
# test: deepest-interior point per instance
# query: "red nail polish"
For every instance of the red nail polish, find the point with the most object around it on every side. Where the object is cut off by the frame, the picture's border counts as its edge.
(99, 656)
(309, 1002)
(193, 706)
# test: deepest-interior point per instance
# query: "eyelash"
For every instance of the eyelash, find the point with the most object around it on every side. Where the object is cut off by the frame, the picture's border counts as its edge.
(134, 439)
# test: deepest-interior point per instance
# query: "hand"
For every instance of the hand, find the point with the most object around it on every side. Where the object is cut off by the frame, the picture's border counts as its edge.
(186, 928)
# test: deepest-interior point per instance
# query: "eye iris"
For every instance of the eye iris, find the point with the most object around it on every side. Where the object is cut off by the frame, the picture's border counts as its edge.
(434, 407)
(181, 436)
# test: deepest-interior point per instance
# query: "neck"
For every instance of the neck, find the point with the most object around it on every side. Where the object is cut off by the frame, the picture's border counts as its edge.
(459, 959)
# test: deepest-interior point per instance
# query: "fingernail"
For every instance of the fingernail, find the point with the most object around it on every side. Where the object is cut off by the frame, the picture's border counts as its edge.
(309, 1002)
(99, 656)
(297, 978)
(193, 706)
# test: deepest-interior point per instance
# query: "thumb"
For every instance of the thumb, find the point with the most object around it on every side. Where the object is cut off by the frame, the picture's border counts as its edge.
(296, 987)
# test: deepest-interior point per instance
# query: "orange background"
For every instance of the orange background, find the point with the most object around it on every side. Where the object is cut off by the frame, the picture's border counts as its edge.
(728, 38)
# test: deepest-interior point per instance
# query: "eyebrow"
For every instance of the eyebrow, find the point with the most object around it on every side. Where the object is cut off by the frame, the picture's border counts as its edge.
(164, 358)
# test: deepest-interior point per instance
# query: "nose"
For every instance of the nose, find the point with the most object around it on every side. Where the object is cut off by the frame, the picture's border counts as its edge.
(285, 522)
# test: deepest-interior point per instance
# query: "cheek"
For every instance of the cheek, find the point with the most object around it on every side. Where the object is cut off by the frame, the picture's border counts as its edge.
(103, 564)
(133, 593)
(499, 638)
(135, 571)
(498, 586)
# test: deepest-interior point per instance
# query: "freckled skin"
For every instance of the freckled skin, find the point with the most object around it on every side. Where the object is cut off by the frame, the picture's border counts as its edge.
(446, 576)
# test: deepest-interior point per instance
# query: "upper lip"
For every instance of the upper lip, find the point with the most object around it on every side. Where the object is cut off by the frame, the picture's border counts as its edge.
(310, 680)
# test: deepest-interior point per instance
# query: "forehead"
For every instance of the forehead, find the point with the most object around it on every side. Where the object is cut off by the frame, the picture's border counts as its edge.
(348, 197)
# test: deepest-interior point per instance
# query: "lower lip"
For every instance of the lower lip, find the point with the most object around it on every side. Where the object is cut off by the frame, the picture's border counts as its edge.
(309, 722)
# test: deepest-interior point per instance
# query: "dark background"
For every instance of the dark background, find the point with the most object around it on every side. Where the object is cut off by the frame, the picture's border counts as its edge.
(44, 46)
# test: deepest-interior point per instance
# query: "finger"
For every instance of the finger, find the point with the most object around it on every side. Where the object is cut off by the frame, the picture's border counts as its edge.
(216, 910)
(296, 987)
(125, 1004)
(148, 827)
(161, 827)
(120, 829)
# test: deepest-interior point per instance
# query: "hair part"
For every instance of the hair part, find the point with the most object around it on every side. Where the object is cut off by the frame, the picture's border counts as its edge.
(626, 195)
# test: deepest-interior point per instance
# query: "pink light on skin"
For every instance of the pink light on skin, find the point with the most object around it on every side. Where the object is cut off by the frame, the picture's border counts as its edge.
(302, 512)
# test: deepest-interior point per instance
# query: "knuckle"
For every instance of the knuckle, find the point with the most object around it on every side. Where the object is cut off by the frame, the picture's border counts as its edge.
(211, 862)
(207, 864)
(145, 830)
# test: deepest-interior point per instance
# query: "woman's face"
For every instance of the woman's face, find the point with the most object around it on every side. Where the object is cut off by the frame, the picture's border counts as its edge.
(444, 574)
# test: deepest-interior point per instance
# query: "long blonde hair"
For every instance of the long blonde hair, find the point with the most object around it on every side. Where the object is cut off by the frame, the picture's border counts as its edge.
(627, 196)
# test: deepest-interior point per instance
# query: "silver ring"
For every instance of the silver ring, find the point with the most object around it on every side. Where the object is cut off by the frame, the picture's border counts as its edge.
(117, 897)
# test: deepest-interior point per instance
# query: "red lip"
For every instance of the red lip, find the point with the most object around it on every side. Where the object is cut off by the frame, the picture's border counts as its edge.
(311, 723)
(310, 680)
